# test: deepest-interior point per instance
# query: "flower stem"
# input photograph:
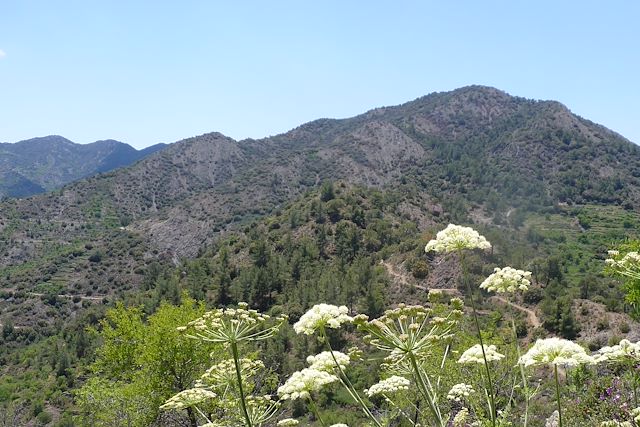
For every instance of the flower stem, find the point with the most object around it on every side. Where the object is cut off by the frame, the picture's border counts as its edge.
(492, 403)
(315, 411)
(555, 370)
(525, 386)
(347, 383)
(425, 390)
(243, 404)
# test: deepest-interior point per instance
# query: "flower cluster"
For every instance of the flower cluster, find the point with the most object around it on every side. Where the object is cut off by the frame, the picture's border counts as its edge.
(624, 351)
(461, 418)
(302, 383)
(614, 423)
(324, 361)
(627, 265)
(233, 325)
(188, 398)
(288, 422)
(409, 329)
(474, 355)
(261, 409)
(321, 316)
(223, 374)
(338, 425)
(507, 279)
(459, 391)
(455, 238)
(390, 385)
(555, 351)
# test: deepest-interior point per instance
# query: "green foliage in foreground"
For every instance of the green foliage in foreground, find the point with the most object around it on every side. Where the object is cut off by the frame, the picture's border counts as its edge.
(323, 247)
(140, 363)
(429, 375)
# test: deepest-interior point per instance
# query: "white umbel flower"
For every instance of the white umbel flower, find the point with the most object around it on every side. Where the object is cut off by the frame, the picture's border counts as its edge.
(324, 361)
(301, 383)
(338, 425)
(507, 279)
(288, 422)
(322, 315)
(456, 238)
(392, 384)
(460, 391)
(624, 351)
(555, 351)
(626, 265)
(474, 355)
(461, 418)
(187, 398)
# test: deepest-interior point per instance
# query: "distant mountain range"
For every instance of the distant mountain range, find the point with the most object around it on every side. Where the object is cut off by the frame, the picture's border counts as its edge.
(41, 164)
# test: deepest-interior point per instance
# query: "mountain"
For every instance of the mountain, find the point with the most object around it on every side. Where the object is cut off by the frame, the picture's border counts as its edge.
(475, 154)
(41, 164)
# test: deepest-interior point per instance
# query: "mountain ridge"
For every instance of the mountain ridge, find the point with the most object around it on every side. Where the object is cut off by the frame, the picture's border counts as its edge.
(41, 164)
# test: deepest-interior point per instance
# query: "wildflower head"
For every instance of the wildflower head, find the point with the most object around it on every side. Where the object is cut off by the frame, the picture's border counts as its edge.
(301, 383)
(625, 351)
(624, 265)
(456, 238)
(459, 392)
(188, 398)
(461, 419)
(261, 408)
(322, 316)
(555, 351)
(474, 355)
(324, 361)
(234, 325)
(223, 374)
(507, 279)
(393, 384)
(408, 329)
(288, 422)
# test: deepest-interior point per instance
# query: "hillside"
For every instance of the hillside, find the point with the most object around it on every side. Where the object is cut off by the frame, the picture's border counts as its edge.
(41, 164)
(551, 190)
(473, 154)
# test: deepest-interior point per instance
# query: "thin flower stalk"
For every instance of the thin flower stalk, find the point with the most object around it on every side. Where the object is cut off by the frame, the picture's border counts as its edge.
(555, 374)
(316, 412)
(490, 391)
(243, 403)
(344, 379)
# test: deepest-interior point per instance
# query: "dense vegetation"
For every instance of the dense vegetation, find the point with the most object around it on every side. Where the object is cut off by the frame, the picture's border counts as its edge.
(327, 246)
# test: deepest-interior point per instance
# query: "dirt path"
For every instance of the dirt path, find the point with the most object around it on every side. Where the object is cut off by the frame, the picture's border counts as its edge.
(532, 317)
(82, 297)
(402, 278)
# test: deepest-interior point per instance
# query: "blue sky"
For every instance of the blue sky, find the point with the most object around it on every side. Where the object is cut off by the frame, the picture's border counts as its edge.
(158, 71)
